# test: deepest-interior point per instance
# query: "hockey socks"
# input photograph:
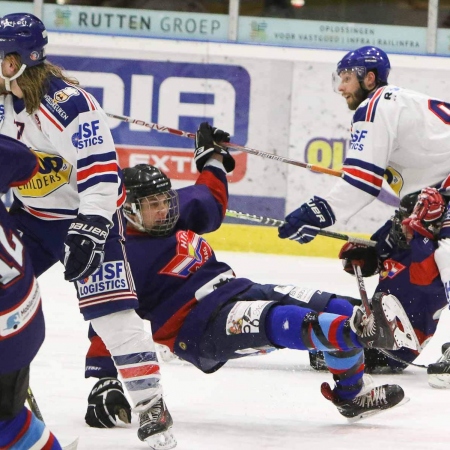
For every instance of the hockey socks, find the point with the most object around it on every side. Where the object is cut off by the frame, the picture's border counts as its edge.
(26, 431)
(303, 329)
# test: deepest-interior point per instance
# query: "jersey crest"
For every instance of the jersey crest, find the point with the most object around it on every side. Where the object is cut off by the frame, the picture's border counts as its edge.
(53, 173)
(394, 179)
(191, 253)
(391, 269)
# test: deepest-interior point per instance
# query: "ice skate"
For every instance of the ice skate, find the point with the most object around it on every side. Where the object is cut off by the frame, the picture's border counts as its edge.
(387, 326)
(154, 427)
(370, 401)
(439, 372)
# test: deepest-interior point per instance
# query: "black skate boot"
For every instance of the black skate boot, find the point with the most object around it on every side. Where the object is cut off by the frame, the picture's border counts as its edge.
(380, 329)
(439, 372)
(154, 427)
(370, 401)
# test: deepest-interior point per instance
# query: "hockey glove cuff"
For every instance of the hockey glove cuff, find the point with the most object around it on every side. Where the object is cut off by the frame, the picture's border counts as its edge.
(303, 224)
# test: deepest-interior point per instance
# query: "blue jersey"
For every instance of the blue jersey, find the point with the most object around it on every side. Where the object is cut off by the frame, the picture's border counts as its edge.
(166, 271)
(21, 318)
(413, 277)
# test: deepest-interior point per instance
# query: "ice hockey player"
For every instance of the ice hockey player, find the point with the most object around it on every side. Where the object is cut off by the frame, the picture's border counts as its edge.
(404, 261)
(206, 315)
(396, 134)
(71, 211)
(22, 326)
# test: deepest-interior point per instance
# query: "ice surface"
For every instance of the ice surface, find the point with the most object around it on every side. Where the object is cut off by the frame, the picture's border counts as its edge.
(266, 402)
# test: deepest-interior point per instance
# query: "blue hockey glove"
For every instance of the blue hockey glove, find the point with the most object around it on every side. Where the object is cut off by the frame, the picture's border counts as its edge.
(303, 224)
(208, 141)
(84, 246)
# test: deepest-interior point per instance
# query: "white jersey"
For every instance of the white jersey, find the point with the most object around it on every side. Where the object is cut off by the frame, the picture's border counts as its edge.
(397, 134)
(78, 161)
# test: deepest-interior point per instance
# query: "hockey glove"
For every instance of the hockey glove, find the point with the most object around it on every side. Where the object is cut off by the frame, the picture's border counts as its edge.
(208, 141)
(366, 257)
(84, 246)
(303, 224)
(428, 210)
(105, 402)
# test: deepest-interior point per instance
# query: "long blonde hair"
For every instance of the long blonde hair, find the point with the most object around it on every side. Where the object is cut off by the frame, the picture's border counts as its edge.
(35, 80)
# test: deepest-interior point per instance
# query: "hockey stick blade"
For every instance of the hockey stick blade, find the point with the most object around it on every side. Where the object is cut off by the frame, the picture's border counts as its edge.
(72, 446)
(404, 336)
(277, 223)
(394, 312)
(251, 151)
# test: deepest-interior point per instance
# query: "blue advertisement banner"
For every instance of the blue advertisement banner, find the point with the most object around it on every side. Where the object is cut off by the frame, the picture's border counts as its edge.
(185, 93)
(331, 35)
(136, 22)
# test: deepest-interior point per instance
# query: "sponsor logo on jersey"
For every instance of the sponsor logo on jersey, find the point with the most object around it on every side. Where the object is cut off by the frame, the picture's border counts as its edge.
(2, 113)
(391, 269)
(54, 172)
(394, 179)
(245, 317)
(12, 321)
(87, 135)
(191, 253)
(53, 105)
(64, 94)
(109, 278)
(357, 142)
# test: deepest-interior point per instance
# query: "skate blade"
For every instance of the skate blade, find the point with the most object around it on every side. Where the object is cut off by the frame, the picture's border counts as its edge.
(439, 381)
(374, 412)
(162, 441)
(406, 337)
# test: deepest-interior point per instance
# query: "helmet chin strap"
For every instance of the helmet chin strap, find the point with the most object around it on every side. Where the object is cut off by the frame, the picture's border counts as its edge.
(9, 79)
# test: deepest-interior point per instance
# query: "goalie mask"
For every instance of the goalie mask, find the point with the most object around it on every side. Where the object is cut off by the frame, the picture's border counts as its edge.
(151, 205)
(405, 209)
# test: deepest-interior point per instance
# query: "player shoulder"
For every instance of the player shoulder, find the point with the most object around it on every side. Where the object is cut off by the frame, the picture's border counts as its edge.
(64, 102)
(367, 110)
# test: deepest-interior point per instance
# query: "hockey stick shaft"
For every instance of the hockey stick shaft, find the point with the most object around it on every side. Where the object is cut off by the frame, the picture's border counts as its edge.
(361, 287)
(365, 302)
(252, 151)
(276, 223)
(31, 400)
(32, 403)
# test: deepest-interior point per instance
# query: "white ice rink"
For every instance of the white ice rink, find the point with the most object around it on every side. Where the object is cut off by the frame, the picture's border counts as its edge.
(267, 402)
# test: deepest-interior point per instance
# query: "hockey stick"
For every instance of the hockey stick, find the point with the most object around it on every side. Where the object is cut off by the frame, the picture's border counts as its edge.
(277, 223)
(252, 151)
(32, 403)
(365, 302)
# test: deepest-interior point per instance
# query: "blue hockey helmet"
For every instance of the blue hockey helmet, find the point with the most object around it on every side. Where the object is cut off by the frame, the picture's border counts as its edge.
(365, 59)
(25, 35)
